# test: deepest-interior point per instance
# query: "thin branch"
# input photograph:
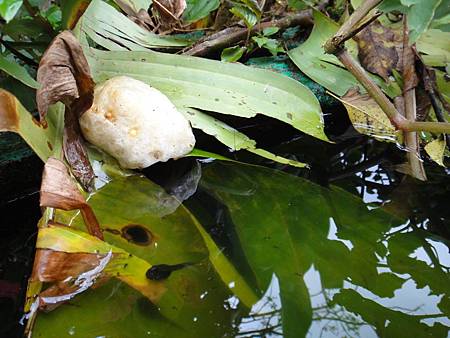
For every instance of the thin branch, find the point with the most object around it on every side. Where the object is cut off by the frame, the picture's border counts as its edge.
(347, 30)
(409, 94)
(233, 35)
(375, 92)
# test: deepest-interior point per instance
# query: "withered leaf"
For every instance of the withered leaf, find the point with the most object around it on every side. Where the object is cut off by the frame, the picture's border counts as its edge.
(377, 49)
(59, 191)
(75, 152)
(65, 77)
(367, 116)
(170, 10)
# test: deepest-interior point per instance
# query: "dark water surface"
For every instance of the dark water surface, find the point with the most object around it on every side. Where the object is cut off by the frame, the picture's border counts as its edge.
(348, 248)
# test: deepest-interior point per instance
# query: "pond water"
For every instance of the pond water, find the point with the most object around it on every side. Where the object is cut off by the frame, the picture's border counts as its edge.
(347, 248)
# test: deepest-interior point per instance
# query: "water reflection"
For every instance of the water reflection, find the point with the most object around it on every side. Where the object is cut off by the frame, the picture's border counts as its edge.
(367, 272)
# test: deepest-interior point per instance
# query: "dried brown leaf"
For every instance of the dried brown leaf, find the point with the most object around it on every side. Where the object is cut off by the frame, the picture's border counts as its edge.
(64, 76)
(59, 191)
(377, 49)
(9, 119)
(170, 10)
(54, 266)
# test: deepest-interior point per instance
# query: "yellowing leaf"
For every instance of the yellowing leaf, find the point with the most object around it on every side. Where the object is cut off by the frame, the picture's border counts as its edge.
(435, 149)
(367, 117)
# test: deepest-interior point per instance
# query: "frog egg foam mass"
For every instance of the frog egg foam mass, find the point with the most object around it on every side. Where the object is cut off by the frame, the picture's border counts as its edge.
(136, 124)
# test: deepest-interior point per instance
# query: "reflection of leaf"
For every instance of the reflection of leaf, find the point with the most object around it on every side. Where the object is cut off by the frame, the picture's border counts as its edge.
(435, 149)
(367, 116)
(388, 322)
(284, 225)
(377, 52)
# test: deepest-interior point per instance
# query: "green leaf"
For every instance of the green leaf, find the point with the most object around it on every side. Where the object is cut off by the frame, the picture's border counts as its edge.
(232, 54)
(326, 69)
(198, 9)
(54, 16)
(231, 137)
(145, 226)
(420, 13)
(246, 14)
(15, 118)
(323, 68)
(17, 71)
(436, 149)
(268, 31)
(226, 88)
(113, 30)
(9, 8)
(435, 44)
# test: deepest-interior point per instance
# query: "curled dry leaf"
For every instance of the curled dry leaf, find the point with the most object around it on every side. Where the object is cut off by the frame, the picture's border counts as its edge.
(59, 191)
(379, 49)
(65, 77)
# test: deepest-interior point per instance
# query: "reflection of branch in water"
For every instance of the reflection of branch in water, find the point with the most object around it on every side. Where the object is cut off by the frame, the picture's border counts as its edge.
(268, 330)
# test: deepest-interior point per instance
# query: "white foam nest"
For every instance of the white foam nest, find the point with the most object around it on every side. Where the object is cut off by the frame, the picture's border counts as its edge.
(136, 124)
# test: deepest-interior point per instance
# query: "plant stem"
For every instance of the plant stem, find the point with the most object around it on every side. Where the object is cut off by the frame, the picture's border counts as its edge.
(347, 30)
(389, 109)
(409, 94)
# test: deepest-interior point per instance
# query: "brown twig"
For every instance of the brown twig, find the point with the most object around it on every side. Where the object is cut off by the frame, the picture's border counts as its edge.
(347, 30)
(233, 35)
(410, 82)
